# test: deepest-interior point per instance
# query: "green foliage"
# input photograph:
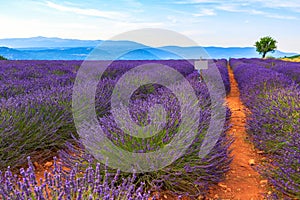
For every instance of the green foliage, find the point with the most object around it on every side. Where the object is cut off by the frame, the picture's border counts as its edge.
(33, 129)
(265, 45)
(270, 57)
(2, 58)
(293, 57)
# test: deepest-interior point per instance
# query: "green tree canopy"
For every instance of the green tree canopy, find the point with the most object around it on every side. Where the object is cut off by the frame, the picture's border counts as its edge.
(2, 58)
(265, 45)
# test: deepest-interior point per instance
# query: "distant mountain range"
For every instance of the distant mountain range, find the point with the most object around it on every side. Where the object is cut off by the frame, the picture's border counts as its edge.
(42, 48)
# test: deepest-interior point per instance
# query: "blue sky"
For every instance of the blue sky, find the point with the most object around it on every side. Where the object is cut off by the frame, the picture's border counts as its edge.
(208, 22)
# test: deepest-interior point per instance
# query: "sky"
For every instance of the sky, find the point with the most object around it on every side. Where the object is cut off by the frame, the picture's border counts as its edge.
(231, 23)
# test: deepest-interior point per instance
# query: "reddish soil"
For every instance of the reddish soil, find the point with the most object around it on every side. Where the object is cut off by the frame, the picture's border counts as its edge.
(242, 181)
(40, 168)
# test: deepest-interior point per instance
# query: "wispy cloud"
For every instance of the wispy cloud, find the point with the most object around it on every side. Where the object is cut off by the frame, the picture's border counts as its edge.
(205, 12)
(270, 15)
(276, 16)
(291, 4)
(134, 3)
(255, 12)
(87, 11)
(196, 1)
(229, 7)
(254, 7)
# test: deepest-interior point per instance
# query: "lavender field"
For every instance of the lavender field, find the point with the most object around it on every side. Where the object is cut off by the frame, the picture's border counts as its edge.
(36, 124)
(270, 90)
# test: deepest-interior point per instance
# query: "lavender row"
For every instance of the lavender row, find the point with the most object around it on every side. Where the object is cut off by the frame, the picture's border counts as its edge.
(190, 169)
(222, 66)
(254, 80)
(24, 77)
(273, 122)
(290, 69)
(90, 184)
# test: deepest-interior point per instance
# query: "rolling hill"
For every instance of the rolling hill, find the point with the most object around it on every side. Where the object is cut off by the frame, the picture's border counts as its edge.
(41, 48)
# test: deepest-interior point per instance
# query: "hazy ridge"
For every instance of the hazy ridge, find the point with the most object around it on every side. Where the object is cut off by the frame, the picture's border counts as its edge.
(42, 48)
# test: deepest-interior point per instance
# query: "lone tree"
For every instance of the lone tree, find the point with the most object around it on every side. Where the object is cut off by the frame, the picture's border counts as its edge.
(265, 45)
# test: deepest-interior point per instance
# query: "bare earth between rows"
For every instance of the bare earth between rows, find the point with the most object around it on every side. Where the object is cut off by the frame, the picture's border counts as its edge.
(242, 181)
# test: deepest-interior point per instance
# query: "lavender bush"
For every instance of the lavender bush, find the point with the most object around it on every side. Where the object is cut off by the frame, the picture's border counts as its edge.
(35, 118)
(36, 124)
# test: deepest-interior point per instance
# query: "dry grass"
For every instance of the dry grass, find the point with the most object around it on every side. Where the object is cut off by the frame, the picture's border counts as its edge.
(292, 59)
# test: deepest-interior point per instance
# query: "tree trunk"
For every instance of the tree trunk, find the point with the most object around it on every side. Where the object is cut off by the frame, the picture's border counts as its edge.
(264, 54)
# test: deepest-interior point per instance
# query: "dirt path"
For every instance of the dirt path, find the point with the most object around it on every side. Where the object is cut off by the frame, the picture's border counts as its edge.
(242, 181)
